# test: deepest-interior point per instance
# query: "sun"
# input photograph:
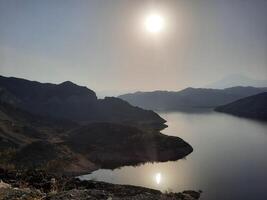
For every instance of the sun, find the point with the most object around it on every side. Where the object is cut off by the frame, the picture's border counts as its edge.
(154, 23)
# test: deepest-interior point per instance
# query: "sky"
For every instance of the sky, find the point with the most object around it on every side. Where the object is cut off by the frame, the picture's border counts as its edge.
(103, 44)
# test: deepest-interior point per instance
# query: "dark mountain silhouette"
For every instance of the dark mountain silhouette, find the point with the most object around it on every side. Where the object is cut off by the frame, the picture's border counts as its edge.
(64, 128)
(251, 107)
(70, 101)
(114, 145)
(189, 98)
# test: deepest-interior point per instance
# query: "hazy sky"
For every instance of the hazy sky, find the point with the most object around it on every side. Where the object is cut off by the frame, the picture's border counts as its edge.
(103, 43)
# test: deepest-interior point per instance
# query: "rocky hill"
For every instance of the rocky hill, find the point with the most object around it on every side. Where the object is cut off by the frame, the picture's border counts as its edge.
(31, 141)
(114, 145)
(72, 102)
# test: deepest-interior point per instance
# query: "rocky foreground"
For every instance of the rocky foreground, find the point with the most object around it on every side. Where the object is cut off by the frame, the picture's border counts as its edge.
(37, 185)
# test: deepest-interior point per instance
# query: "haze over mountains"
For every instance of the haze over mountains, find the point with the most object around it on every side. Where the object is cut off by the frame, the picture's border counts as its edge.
(65, 127)
(189, 98)
(236, 80)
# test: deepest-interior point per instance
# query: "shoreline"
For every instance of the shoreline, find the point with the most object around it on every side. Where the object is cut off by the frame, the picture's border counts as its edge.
(39, 184)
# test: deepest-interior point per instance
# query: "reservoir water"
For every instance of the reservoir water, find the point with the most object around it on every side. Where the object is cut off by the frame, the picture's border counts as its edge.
(229, 160)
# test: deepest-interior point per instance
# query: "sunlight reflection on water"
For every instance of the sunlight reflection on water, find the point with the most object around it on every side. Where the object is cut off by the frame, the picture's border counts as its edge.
(158, 178)
(228, 161)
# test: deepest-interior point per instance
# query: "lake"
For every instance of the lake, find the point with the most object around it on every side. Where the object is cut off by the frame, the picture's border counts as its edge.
(229, 160)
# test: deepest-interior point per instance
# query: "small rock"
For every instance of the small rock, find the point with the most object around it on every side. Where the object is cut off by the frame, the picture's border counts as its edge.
(4, 185)
(193, 194)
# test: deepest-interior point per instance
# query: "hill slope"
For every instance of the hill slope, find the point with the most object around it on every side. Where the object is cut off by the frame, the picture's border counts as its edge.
(31, 141)
(70, 101)
(18, 127)
(189, 98)
(252, 107)
(114, 145)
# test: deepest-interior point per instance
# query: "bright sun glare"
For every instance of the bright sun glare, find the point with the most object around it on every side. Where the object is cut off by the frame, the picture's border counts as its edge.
(158, 178)
(154, 23)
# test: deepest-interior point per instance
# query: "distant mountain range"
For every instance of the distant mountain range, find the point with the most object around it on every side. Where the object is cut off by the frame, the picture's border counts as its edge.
(189, 98)
(236, 80)
(72, 102)
(251, 107)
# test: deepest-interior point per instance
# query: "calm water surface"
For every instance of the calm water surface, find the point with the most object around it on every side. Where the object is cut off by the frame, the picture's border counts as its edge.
(229, 161)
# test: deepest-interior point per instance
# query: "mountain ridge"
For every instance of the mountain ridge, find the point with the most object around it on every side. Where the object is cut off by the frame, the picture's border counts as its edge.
(72, 102)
